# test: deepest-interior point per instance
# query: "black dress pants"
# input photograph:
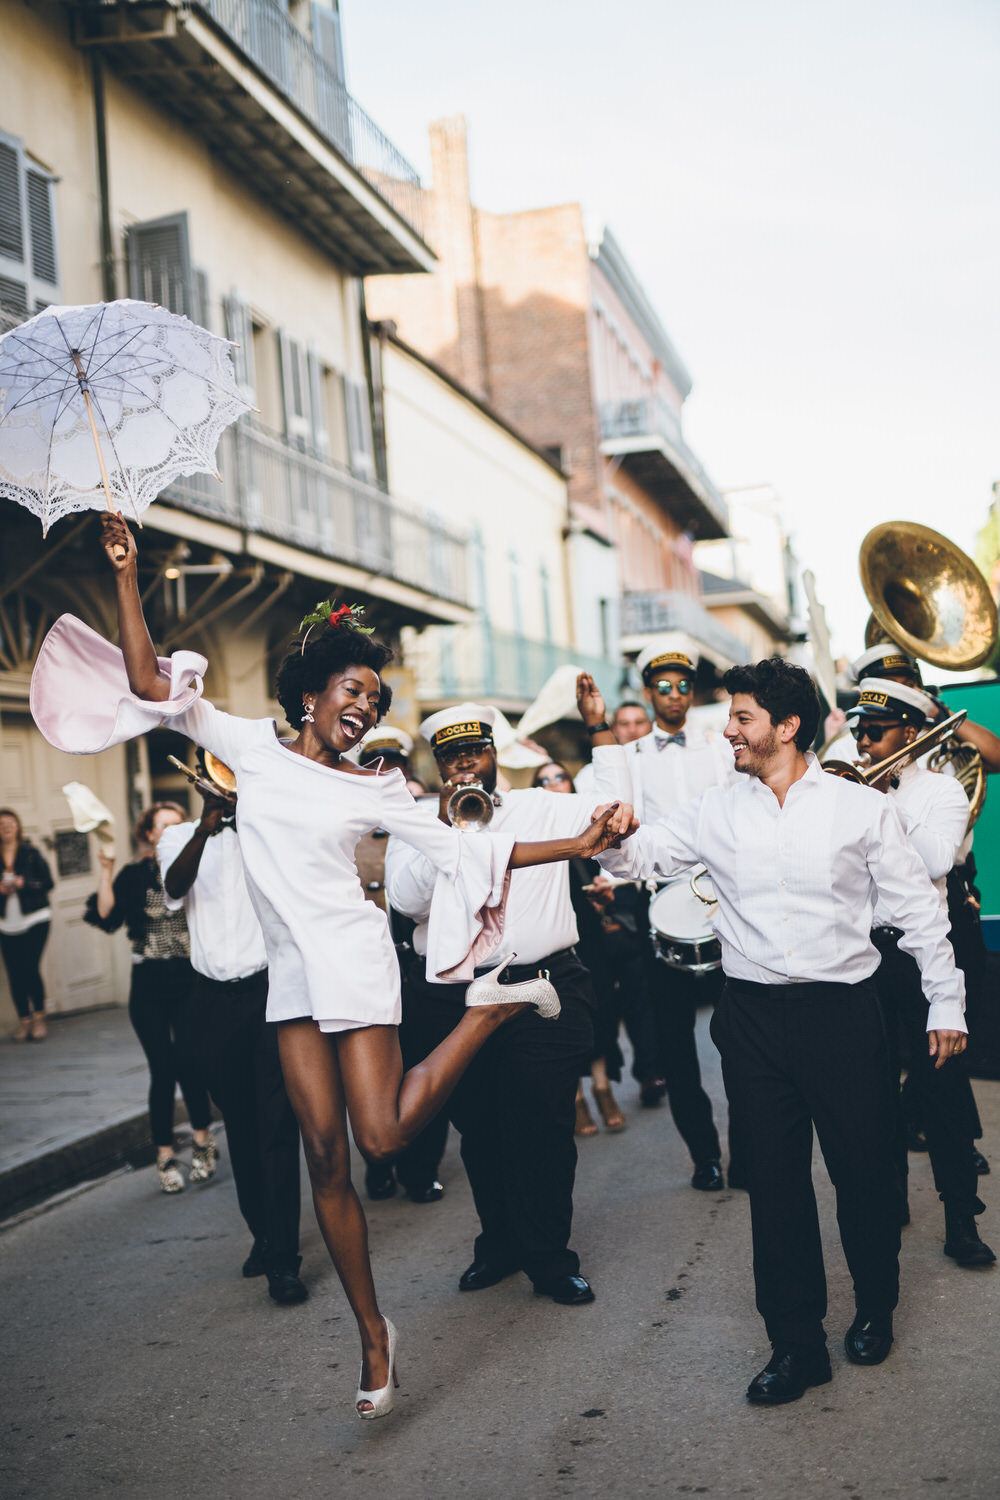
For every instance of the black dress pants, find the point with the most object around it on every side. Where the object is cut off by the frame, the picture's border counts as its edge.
(159, 1007)
(795, 1056)
(239, 1052)
(675, 997)
(940, 1096)
(515, 1110)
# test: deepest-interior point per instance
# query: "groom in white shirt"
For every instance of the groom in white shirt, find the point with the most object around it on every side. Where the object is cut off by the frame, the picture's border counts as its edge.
(798, 860)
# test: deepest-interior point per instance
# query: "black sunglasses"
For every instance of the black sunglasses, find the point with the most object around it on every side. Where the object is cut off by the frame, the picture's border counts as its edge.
(665, 686)
(873, 732)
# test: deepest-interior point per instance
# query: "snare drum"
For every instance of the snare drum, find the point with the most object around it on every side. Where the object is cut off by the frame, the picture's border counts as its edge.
(681, 928)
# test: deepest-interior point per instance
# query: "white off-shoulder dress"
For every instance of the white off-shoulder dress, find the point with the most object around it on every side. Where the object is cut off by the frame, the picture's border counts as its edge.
(330, 954)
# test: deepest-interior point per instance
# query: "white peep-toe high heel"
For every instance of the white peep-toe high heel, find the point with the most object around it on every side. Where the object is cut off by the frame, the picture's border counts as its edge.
(382, 1401)
(539, 992)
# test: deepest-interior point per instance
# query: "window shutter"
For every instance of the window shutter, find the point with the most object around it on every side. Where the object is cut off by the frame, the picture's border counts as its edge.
(327, 37)
(11, 215)
(159, 263)
(239, 328)
(359, 429)
(317, 404)
(202, 307)
(331, 95)
(40, 219)
(295, 391)
(13, 298)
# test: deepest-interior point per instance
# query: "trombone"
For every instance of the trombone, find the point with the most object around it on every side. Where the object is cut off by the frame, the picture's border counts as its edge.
(889, 765)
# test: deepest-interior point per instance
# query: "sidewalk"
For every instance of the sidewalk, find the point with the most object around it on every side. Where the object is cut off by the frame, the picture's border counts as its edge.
(71, 1108)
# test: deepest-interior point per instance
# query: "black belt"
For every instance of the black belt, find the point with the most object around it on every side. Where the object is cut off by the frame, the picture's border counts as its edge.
(528, 971)
(887, 933)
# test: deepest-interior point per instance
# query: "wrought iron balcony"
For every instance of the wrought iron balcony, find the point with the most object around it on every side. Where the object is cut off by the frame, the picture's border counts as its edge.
(661, 610)
(285, 124)
(296, 497)
(496, 666)
(645, 434)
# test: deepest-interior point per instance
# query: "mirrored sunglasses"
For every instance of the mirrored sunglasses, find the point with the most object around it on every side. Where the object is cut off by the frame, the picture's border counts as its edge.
(664, 685)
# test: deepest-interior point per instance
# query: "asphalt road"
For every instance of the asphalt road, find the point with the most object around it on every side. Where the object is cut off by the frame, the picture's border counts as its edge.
(138, 1362)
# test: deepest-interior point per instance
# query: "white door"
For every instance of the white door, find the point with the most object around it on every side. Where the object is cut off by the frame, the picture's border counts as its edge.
(82, 967)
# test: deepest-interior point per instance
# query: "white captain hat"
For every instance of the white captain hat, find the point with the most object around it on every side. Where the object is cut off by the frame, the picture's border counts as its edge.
(882, 660)
(466, 723)
(663, 656)
(881, 699)
(386, 739)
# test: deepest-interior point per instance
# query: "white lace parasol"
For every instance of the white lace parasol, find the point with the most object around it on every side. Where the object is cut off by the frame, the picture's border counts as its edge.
(108, 405)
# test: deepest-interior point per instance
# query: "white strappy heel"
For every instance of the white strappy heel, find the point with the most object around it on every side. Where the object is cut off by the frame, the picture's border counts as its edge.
(382, 1401)
(539, 992)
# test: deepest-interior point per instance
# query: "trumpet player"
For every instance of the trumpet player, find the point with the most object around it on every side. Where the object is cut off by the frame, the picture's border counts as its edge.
(516, 1108)
(887, 717)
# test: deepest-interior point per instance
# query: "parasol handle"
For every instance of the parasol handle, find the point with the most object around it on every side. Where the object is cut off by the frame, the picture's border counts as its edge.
(119, 551)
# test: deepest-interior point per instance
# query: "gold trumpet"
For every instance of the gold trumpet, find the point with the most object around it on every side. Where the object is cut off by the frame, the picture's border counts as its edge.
(218, 780)
(470, 807)
(884, 768)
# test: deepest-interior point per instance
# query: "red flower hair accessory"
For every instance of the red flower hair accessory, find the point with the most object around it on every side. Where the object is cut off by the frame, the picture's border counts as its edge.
(336, 617)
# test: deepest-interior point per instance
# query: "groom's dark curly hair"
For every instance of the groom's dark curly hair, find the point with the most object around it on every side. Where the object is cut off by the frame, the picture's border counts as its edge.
(327, 653)
(782, 689)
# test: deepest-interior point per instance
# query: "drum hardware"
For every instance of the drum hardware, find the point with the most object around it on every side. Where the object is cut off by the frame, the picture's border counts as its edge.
(700, 875)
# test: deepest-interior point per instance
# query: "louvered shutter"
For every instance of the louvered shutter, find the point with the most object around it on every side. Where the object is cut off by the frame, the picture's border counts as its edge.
(159, 263)
(201, 304)
(359, 429)
(295, 391)
(317, 404)
(13, 300)
(11, 211)
(239, 328)
(40, 219)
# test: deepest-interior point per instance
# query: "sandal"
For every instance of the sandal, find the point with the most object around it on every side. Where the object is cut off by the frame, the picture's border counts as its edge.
(610, 1113)
(584, 1119)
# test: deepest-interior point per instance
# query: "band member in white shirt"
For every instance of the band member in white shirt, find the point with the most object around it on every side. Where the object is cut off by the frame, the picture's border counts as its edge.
(935, 813)
(203, 876)
(515, 1108)
(798, 859)
(670, 765)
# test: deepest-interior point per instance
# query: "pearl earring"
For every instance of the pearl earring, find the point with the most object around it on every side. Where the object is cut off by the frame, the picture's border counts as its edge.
(307, 717)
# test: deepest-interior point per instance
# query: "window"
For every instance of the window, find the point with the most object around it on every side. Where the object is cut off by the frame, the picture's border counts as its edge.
(158, 254)
(29, 269)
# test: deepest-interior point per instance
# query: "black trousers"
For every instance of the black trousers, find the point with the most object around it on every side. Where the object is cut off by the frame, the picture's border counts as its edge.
(22, 954)
(159, 1008)
(939, 1096)
(239, 1055)
(515, 1110)
(675, 997)
(795, 1056)
(417, 1166)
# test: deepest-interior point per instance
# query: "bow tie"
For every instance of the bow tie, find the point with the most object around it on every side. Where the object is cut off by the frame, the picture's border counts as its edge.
(680, 738)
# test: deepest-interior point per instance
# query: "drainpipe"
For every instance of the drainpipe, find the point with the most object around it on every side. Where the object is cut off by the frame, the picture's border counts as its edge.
(109, 290)
(375, 406)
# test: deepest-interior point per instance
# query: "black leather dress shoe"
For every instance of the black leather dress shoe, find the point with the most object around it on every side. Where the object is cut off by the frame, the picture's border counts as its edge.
(254, 1263)
(285, 1287)
(652, 1093)
(380, 1182)
(982, 1165)
(481, 1274)
(788, 1374)
(708, 1176)
(428, 1192)
(869, 1338)
(570, 1291)
(962, 1241)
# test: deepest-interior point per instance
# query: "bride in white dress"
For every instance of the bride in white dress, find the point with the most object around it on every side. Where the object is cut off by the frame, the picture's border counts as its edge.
(333, 975)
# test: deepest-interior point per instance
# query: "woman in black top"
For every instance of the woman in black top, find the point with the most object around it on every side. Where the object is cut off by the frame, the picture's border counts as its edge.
(25, 882)
(160, 996)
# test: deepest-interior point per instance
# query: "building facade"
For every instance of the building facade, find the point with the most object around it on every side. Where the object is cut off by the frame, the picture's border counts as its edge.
(559, 337)
(207, 156)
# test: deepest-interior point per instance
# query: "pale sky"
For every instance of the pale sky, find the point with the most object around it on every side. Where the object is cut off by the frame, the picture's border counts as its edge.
(809, 193)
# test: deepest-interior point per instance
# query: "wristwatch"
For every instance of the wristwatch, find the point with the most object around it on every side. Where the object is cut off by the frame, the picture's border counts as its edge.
(599, 728)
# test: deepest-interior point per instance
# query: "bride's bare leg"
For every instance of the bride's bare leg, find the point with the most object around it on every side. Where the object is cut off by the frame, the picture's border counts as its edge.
(312, 1077)
(387, 1107)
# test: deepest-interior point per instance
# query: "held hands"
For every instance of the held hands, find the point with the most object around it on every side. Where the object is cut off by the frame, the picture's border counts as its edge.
(608, 826)
(944, 1044)
(589, 700)
(116, 537)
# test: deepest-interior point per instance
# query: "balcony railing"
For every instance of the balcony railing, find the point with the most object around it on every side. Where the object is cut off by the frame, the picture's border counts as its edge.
(263, 30)
(270, 486)
(648, 417)
(661, 610)
(476, 661)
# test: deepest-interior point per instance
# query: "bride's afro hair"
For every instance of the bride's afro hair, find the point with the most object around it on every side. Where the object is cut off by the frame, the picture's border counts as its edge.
(327, 653)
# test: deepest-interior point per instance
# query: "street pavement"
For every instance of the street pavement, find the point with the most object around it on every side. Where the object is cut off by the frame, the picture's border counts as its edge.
(139, 1363)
